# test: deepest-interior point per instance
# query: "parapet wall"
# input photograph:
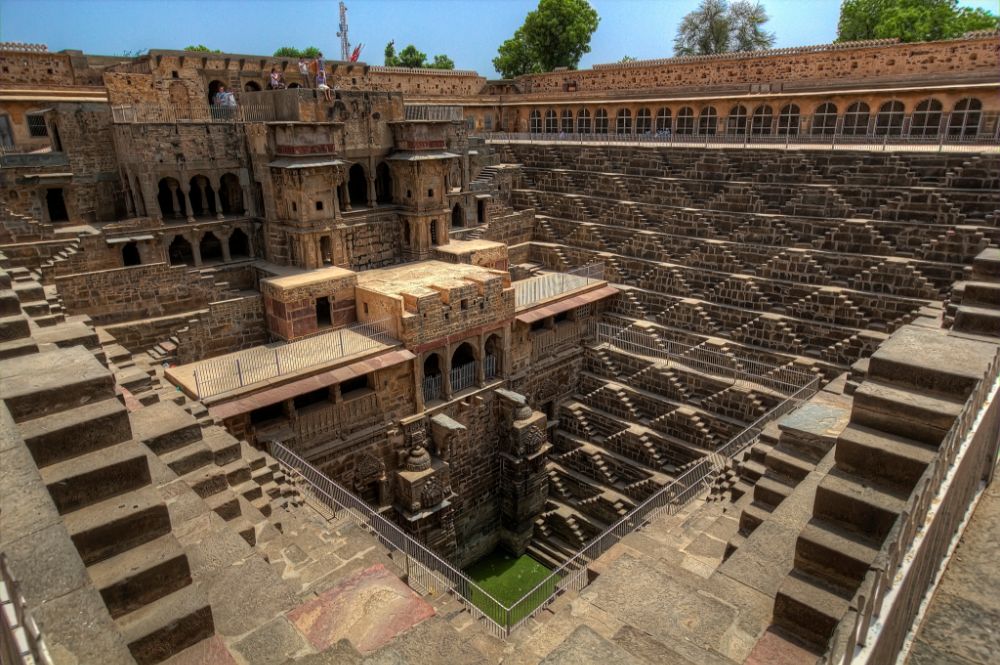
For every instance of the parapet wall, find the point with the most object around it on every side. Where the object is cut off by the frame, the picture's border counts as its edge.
(975, 57)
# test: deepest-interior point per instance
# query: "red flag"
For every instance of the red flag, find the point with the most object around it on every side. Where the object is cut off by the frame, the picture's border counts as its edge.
(357, 53)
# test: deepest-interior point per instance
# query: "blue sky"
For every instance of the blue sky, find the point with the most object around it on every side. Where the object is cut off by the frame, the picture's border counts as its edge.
(467, 30)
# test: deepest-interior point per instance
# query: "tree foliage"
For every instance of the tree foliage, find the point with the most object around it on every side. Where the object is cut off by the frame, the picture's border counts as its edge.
(292, 52)
(718, 26)
(910, 20)
(201, 48)
(412, 57)
(556, 34)
(627, 58)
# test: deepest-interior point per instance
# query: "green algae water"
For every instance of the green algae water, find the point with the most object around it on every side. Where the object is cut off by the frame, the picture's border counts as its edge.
(507, 578)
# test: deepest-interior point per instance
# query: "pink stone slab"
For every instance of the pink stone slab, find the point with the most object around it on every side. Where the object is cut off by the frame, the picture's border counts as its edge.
(368, 609)
(774, 649)
(212, 651)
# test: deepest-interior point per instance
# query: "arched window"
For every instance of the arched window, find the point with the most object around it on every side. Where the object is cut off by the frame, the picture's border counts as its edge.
(736, 123)
(551, 123)
(583, 121)
(567, 121)
(180, 251)
(926, 118)
(788, 120)
(662, 119)
(825, 119)
(643, 121)
(130, 254)
(623, 122)
(763, 118)
(965, 118)
(601, 122)
(685, 121)
(708, 121)
(889, 119)
(535, 122)
(856, 119)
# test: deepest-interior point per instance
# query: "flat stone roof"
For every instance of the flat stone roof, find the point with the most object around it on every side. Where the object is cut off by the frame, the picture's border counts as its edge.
(416, 277)
(312, 277)
(459, 247)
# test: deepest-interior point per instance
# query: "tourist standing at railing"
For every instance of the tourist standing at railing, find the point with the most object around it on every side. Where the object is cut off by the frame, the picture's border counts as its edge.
(277, 81)
(304, 71)
(317, 65)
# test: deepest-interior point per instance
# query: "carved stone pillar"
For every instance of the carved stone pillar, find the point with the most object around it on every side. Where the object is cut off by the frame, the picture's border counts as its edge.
(187, 204)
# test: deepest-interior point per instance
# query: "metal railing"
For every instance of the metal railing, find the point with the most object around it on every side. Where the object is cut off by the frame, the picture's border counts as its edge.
(329, 419)
(432, 386)
(534, 290)
(490, 368)
(463, 376)
(980, 142)
(21, 642)
(213, 377)
(253, 111)
(419, 565)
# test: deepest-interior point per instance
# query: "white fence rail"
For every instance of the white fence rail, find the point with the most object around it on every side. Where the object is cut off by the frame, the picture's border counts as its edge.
(21, 642)
(252, 366)
(534, 290)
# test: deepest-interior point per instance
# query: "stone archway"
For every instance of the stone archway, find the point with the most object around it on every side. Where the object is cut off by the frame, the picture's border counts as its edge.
(180, 252)
(357, 186)
(457, 216)
(493, 356)
(210, 248)
(239, 245)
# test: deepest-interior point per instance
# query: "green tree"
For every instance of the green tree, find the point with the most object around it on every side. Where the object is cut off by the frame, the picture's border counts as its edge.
(442, 61)
(627, 58)
(391, 59)
(412, 57)
(718, 26)
(292, 52)
(201, 48)
(556, 34)
(910, 20)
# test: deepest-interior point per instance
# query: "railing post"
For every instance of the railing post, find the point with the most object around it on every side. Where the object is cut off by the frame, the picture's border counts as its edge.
(239, 372)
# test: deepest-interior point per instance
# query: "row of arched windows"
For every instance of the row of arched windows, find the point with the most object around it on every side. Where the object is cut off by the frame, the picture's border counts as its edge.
(928, 119)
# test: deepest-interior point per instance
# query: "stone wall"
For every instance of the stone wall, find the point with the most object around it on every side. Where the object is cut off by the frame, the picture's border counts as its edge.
(424, 82)
(28, 68)
(226, 326)
(123, 294)
(979, 56)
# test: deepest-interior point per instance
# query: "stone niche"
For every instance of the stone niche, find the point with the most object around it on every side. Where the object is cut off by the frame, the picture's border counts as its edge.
(524, 482)
(297, 306)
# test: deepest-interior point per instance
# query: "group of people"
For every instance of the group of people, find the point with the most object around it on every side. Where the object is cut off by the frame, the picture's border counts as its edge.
(313, 74)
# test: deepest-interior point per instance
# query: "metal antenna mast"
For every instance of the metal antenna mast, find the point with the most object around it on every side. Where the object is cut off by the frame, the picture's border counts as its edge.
(345, 44)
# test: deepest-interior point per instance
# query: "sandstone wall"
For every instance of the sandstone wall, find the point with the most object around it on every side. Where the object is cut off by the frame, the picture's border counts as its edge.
(425, 82)
(23, 67)
(123, 294)
(226, 326)
(918, 62)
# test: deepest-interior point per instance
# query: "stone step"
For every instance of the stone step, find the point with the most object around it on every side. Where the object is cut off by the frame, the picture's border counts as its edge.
(874, 454)
(263, 504)
(104, 529)
(834, 554)
(789, 462)
(771, 491)
(858, 504)
(188, 458)
(207, 481)
(224, 446)
(981, 293)
(96, 476)
(225, 504)
(54, 438)
(262, 475)
(987, 263)
(753, 515)
(9, 304)
(245, 529)
(16, 348)
(141, 575)
(237, 472)
(905, 412)
(929, 360)
(752, 471)
(164, 427)
(32, 389)
(167, 626)
(808, 608)
(977, 320)
(249, 490)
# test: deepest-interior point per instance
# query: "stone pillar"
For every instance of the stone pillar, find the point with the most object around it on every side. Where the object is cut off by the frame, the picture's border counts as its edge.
(177, 202)
(225, 248)
(446, 377)
(336, 203)
(203, 185)
(196, 252)
(524, 483)
(246, 200)
(418, 377)
(480, 366)
(187, 203)
(346, 195)
(218, 200)
(371, 192)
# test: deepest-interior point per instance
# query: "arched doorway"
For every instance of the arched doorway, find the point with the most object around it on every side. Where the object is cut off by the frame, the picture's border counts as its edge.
(180, 252)
(56, 205)
(432, 383)
(457, 216)
(210, 247)
(383, 183)
(357, 186)
(130, 254)
(493, 357)
(239, 245)
(231, 195)
(463, 367)
(202, 196)
(213, 87)
(252, 86)
(170, 198)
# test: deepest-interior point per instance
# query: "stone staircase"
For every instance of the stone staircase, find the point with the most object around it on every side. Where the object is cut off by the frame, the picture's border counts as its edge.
(974, 305)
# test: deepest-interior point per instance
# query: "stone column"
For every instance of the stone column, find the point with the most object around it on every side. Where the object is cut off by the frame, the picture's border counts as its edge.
(218, 200)
(196, 252)
(246, 200)
(187, 203)
(446, 377)
(418, 377)
(480, 366)
(345, 193)
(336, 203)
(225, 248)
(371, 192)
(177, 201)
(203, 185)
